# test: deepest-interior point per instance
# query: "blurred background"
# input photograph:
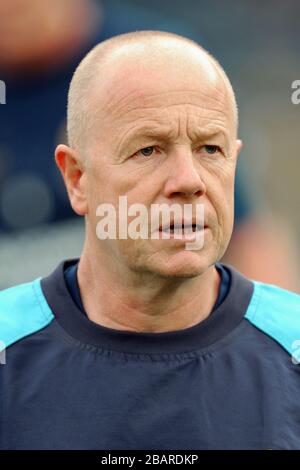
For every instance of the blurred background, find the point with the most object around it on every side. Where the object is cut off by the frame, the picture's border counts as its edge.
(42, 41)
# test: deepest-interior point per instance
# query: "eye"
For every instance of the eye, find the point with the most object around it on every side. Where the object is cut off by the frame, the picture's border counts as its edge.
(211, 149)
(146, 151)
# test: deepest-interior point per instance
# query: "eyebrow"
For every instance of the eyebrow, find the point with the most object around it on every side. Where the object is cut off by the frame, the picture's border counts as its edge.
(162, 134)
(157, 132)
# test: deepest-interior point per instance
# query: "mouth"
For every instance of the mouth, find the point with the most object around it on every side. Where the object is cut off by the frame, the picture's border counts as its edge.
(186, 231)
(181, 228)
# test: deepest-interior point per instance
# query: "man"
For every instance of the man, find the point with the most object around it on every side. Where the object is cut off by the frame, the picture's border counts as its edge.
(34, 209)
(143, 343)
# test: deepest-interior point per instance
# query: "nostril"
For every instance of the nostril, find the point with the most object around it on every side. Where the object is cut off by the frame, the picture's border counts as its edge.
(199, 193)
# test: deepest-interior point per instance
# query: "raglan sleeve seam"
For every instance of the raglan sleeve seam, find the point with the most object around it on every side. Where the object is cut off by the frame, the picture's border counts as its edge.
(39, 295)
(256, 300)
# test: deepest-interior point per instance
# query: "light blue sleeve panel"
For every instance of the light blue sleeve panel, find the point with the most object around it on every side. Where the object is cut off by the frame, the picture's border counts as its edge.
(23, 311)
(276, 312)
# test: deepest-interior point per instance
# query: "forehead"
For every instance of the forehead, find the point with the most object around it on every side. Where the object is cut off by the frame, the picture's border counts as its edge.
(136, 91)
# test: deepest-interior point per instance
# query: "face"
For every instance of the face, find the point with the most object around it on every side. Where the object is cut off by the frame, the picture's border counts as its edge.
(164, 135)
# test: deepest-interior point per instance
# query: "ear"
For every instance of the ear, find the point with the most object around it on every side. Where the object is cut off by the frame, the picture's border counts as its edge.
(238, 148)
(71, 168)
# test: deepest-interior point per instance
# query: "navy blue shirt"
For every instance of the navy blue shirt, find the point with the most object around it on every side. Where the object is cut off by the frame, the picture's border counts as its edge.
(231, 381)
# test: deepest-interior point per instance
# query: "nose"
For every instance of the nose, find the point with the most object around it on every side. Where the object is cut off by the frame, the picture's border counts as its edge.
(183, 178)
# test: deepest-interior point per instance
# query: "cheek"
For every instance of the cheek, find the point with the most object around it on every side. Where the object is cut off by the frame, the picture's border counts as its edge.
(100, 185)
(220, 193)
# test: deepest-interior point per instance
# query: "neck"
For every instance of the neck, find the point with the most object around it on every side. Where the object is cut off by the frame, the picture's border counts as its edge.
(141, 302)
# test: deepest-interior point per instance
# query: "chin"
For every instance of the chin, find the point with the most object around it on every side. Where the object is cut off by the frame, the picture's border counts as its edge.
(182, 265)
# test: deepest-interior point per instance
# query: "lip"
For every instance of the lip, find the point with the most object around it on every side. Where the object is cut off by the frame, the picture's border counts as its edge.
(189, 236)
(180, 224)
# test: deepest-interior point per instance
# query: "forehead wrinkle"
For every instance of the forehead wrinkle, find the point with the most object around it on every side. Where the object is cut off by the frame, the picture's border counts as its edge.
(164, 133)
(182, 92)
(203, 93)
(134, 115)
(135, 134)
(198, 133)
(115, 104)
(212, 127)
(164, 99)
(161, 123)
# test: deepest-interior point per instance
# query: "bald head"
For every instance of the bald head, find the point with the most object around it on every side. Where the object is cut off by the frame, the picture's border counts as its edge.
(136, 57)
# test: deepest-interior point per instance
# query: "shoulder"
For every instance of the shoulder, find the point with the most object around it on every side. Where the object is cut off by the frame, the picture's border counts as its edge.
(23, 311)
(276, 312)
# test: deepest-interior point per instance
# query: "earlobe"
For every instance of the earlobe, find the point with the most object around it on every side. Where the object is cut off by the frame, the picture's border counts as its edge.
(239, 145)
